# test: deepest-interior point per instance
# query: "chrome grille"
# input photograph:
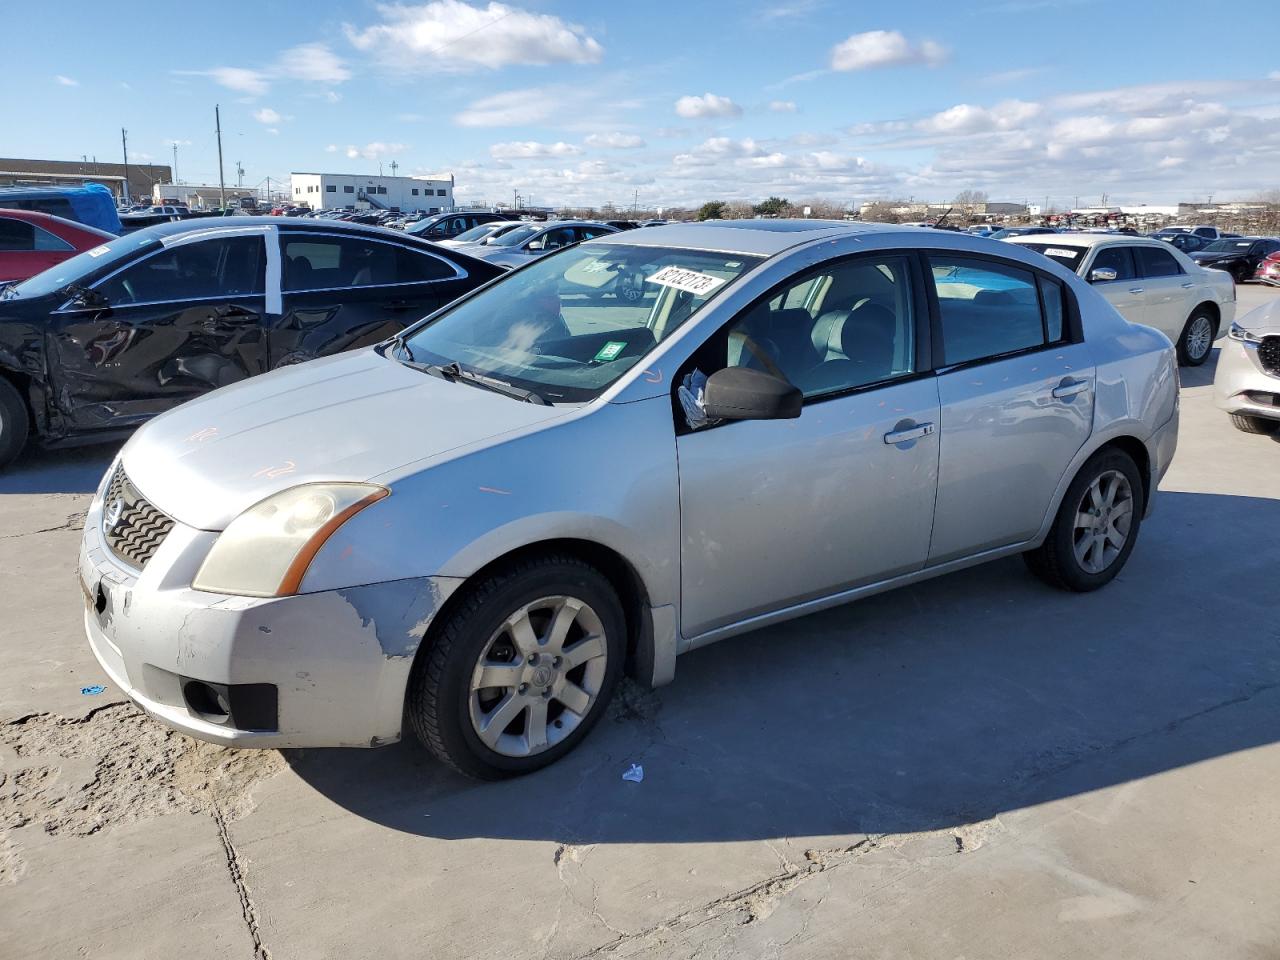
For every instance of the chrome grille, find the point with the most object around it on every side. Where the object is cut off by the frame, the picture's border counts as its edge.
(133, 528)
(1269, 355)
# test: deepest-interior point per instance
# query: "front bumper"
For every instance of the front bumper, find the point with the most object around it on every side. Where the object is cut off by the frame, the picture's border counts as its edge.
(1242, 386)
(339, 660)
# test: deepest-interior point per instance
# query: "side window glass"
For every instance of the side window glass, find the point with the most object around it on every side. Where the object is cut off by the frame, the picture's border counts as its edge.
(861, 333)
(45, 241)
(16, 235)
(327, 263)
(191, 271)
(1051, 296)
(1118, 259)
(1156, 262)
(987, 309)
(415, 267)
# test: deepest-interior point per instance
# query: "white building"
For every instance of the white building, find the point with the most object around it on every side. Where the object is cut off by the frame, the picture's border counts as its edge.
(322, 191)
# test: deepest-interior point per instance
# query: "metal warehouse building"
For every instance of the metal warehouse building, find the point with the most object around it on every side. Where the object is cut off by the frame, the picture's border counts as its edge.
(327, 190)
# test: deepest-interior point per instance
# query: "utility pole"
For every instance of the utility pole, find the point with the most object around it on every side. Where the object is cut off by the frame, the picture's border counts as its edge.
(394, 167)
(222, 183)
(124, 145)
(175, 161)
(268, 189)
(239, 174)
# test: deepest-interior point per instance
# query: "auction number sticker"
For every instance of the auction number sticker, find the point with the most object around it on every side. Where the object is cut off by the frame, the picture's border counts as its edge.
(98, 251)
(690, 281)
(1061, 252)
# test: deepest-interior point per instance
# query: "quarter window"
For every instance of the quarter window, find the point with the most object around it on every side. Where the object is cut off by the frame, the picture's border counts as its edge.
(986, 309)
(842, 326)
(1156, 262)
(16, 235)
(226, 266)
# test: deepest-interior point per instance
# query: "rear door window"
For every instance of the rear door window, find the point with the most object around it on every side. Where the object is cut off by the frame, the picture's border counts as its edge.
(332, 263)
(986, 309)
(1155, 262)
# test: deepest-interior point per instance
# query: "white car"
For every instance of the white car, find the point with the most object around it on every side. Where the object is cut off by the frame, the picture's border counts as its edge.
(1246, 383)
(1149, 282)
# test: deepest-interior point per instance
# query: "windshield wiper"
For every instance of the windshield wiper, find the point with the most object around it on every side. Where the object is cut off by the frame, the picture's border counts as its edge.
(453, 372)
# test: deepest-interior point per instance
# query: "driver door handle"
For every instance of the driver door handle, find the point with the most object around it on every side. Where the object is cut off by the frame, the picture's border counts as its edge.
(1188, 285)
(909, 433)
(1137, 289)
(1070, 388)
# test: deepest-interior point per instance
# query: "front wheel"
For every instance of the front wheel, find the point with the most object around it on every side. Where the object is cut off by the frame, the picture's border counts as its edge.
(1196, 339)
(1261, 425)
(14, 425)
(1096, 526)
(522, 669)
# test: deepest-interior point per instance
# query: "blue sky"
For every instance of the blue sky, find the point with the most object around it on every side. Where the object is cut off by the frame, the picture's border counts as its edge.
(587, 103)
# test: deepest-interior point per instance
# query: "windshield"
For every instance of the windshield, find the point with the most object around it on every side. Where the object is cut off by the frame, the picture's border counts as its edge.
(476, 233)
(1228, 246)
(513, 238)
(567, 326)
(81, 265)
(1069, 257)
(422, 226)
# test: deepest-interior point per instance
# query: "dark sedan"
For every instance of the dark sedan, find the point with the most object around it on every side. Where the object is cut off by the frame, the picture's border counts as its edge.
(91, 348)
(1239, 256)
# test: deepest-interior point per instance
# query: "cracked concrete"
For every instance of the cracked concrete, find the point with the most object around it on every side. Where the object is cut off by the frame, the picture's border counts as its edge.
(976, 767)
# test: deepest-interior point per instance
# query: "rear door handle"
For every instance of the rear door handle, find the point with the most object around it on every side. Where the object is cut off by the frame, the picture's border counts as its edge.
(1137, 290)
(1188, 285)
(907, 434)
(1070, 388)
(398, 305)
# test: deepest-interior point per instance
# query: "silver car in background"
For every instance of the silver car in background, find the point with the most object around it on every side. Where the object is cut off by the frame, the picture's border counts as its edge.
(1246, 383)
(530, 241)
(480, 525)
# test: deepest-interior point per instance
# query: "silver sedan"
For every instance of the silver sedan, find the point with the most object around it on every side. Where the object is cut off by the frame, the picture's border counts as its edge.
(609, 457)
(1247, 381)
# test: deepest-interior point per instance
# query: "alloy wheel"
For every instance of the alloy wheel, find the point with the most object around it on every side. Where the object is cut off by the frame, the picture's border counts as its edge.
(1199, 337)
(1103, 520)
(538, 677)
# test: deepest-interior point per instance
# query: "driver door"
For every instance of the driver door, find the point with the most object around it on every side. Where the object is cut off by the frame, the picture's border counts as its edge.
(171, 326)
(778, 512)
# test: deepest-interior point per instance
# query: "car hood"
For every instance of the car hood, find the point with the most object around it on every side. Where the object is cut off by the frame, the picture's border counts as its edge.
(1263, 321)
(352, 417)
(1199, 256)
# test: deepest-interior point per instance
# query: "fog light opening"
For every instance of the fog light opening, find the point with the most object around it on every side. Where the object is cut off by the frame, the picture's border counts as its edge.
(208, 701)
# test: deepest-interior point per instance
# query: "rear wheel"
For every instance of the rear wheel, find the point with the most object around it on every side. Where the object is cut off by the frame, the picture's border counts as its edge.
(14, 424)
(1096, 526)
(522, 669)
(1197, 338)
(1247, 424)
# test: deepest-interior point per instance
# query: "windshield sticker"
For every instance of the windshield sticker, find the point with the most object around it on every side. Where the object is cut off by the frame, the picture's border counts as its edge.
(610, 351)
(699, 284)
(97, 251)
(1060, 252)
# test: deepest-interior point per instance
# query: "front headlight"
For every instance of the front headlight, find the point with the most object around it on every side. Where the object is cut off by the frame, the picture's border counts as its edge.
(1237, 332)
(266, 550)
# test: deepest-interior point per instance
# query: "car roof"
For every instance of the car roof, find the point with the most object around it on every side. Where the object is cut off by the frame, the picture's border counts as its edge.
(1085, 239)
(50, 219)
(175, 227)
(753, 237)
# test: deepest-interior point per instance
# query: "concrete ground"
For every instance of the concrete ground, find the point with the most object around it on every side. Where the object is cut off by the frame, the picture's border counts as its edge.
(978, 766)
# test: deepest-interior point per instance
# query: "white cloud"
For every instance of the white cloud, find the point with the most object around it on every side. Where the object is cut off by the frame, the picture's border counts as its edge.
(66, 81)
(614, 141)
(531, 149)
(253, 82)
(267, 115)
(966, 118)
(333, 96)
(375, 151)
(883, 48)
(273, 131)
(707, 105)
(331, 148)
(449, 35)
(311, 63)
(782, 106)
(507, 109)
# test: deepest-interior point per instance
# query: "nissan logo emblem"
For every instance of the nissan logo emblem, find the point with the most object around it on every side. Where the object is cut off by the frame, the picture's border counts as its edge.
(112, 516)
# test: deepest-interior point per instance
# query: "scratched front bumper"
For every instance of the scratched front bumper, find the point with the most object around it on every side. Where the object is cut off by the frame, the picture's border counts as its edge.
(340, 659)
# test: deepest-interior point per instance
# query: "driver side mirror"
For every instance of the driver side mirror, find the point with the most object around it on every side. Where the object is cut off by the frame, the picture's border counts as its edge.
(1102, 275)
(88, 299)
(539, 244)
(741, 393)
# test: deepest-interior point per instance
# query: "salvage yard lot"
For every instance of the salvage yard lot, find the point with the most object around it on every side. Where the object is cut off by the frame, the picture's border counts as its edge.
(977, 766)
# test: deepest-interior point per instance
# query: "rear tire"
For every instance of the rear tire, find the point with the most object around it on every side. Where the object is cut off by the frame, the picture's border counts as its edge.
(1196, 342)
(1096, 526)
(497, 694)
(1259, 425)
(14, 423)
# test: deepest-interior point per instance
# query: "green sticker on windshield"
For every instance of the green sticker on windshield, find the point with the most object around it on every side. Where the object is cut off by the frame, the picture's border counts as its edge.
(610, 350)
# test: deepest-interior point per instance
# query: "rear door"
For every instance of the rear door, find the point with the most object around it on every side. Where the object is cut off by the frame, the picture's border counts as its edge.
(1016, 385)
(1169, 294)
(1126, 292)
(344, 291)
(177, 323)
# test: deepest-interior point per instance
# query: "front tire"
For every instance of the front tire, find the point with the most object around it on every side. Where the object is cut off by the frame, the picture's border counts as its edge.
(14, 423)
(1197, 338)
(1096, 526)
(1259, 425)
(522, 669)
